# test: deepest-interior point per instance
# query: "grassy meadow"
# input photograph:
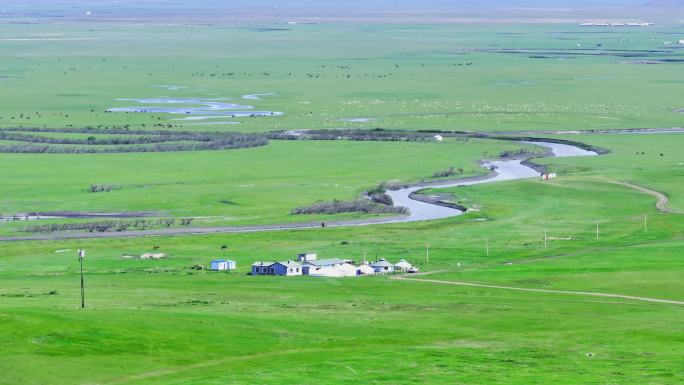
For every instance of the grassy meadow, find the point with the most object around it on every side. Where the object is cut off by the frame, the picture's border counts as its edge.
(155, 322)
(159, 322)
(396, 76)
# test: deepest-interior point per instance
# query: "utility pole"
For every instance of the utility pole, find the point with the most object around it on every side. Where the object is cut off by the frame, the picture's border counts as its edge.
(546, 238)
(597, 230)
(645, 222)
(81, 255)
(427, 252)
(487, 246)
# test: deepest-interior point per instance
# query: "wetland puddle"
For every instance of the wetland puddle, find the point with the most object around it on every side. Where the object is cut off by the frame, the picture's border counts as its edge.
(258, 96)
(358, 120)
(205, 109)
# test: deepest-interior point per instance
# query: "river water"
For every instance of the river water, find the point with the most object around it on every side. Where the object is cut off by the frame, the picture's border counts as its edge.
(505, 170)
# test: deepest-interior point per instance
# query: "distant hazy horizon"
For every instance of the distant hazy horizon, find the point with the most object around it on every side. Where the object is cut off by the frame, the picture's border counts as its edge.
(237, 10)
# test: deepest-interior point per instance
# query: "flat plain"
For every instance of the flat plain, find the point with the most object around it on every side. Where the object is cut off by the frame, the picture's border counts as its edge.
(159, 322)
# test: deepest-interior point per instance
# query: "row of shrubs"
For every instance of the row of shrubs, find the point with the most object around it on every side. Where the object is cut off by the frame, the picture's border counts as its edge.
(448, 173)
(95, 141)
(514, 153)
(384, 186)
(357, 135)
(356, 206)
(381, 198)
(107, 226)
(235, 143)
(145, 141)
(98, 188)
(107, 131)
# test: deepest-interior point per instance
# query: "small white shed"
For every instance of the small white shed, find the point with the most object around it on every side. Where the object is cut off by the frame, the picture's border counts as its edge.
(223, 265)
(306, 257)
(438, 138)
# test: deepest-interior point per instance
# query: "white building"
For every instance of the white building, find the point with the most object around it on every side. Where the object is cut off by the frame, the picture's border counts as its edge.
(382, 266)
(439, 138)
(549, 176)
(347, 270)
(223, 265)
(326, 272)
(681, 42)
(287, 268)
(365, 269)
(316, 264)
(305, 257)
(343, 270)
(403, 266)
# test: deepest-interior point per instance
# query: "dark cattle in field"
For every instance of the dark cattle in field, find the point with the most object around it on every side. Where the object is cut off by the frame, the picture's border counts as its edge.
(156, 248)
(224, 247)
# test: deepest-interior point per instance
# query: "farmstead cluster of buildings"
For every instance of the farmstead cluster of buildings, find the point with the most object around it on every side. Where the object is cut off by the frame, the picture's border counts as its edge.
(309, 264)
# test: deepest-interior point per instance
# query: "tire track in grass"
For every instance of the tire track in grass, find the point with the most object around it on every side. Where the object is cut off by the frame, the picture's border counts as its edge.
(201, 365)
(546, 291)
(662, 202)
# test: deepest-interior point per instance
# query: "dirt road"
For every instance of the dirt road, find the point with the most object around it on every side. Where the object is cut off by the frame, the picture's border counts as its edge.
(547, 291)
(662, 202)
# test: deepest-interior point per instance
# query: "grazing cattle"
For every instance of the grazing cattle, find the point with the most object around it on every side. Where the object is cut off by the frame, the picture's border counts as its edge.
(156, 247)
(224, 247)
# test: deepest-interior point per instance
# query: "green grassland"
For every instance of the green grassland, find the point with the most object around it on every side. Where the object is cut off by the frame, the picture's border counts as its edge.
(155, 322)
(401, 76)
(159, 322)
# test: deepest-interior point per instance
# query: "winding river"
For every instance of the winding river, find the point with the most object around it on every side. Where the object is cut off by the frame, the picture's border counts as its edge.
(504, 170)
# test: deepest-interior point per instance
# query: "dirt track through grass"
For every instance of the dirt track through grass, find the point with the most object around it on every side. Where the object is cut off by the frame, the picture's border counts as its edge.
(201, 365)
(548, 291)
(662, 202)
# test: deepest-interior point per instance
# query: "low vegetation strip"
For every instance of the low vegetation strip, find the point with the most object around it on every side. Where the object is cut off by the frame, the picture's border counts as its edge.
(356, 206)
(106, 226)
(378, 134)
(122, 140)
(98, 188)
